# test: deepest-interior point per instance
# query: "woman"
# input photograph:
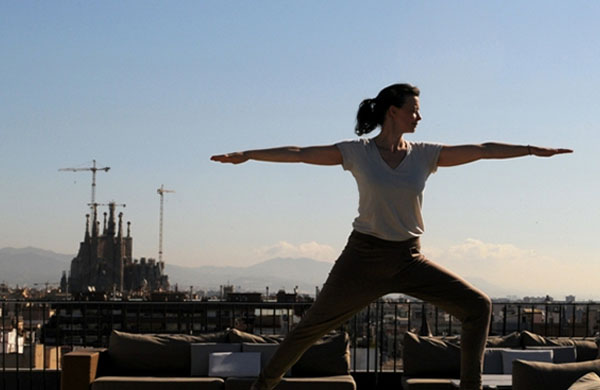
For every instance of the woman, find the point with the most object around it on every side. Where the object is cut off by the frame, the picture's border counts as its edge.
(383, 255)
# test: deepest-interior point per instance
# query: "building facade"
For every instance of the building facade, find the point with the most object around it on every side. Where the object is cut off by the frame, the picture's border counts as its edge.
(105, 264)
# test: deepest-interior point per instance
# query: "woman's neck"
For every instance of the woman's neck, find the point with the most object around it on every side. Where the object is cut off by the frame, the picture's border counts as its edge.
(390, 142)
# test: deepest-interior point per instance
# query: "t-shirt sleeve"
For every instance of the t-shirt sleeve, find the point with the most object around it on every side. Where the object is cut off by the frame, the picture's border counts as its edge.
(350, 153)
(429, 154)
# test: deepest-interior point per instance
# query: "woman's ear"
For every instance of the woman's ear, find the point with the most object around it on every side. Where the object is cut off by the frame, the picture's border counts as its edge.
(391, 112)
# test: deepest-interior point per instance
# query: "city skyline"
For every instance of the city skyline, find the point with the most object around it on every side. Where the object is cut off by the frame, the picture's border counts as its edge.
(153, 90)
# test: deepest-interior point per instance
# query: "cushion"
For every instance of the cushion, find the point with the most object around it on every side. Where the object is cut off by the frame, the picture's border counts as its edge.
(590, 381)
(225, 364)
(329, 356)
(566, 354)
(430, 356)
(200, 355)
(509, 355)
(152, 354)
(531, 340)
(266, 352)
(427, 384)
(341, 382)
(511, 340)
(336, 382)
(492, 361)
(455, 339)
(156, 383)
(587, 349)
(550, 376)
(237, 336)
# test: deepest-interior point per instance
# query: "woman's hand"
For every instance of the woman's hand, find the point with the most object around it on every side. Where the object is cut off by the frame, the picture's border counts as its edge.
(232, 158)
(546, 152)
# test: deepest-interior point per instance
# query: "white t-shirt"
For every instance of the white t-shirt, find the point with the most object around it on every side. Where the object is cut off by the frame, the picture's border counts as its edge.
(390, 199)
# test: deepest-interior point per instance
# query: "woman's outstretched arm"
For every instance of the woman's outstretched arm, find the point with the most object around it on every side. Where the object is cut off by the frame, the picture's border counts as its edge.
(319, 155)
(462, 154)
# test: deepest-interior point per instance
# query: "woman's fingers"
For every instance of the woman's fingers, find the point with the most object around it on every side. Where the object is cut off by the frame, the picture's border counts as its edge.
(232, 158)
(559, 151)
(547, 152)
(219, 157)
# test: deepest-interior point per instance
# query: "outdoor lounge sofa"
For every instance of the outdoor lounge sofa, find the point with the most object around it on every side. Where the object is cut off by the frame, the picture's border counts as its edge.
(433, 362)
(182, 362)
(530, 375)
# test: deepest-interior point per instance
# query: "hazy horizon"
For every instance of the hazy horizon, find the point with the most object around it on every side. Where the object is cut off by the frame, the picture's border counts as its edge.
(152, 90)
(287, 278)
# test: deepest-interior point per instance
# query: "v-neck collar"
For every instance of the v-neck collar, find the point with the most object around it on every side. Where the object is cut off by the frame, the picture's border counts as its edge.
(382, 160)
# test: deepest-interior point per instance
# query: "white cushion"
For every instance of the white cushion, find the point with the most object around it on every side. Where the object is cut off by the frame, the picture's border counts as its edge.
(266, 352)
(226, 364)
(562, 354)
(200, 355)
(538, 356)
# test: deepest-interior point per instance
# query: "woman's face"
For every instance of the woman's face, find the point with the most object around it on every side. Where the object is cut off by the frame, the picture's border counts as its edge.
(406, 118)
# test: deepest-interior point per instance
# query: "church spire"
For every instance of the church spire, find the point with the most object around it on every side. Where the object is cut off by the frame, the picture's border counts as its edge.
(95, 222)
(120, 234)
(87, 228)
(111, 219)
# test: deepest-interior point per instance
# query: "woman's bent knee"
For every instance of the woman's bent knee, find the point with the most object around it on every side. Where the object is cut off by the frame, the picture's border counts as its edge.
(479, 307)
(486, 304)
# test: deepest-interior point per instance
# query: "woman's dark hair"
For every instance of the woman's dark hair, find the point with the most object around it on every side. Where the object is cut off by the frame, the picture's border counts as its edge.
(371, 112)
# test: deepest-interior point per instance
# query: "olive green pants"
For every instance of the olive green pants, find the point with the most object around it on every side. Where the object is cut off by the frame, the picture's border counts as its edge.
(369, 268)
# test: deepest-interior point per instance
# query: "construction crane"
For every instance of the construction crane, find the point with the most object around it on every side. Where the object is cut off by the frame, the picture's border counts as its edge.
(161, 191)
(94, 169)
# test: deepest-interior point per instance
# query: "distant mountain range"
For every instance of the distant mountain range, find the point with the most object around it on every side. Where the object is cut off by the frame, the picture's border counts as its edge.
(278, 273)
(32, 266)
(29, 266)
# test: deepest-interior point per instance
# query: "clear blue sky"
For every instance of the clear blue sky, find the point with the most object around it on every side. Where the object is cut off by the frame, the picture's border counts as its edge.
(153, 88)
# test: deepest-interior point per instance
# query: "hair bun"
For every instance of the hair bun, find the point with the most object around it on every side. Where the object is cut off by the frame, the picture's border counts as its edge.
(366, 120)
(371, 112)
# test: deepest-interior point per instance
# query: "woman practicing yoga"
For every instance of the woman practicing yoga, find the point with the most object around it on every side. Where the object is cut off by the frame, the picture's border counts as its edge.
(383, 253)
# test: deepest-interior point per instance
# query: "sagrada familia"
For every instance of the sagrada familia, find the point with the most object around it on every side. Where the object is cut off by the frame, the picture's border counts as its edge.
(105, 264)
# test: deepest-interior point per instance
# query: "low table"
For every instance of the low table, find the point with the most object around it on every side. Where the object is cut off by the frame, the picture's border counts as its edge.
(492, 381)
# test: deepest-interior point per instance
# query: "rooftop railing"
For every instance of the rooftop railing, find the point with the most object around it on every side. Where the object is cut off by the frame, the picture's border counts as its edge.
(35, 334)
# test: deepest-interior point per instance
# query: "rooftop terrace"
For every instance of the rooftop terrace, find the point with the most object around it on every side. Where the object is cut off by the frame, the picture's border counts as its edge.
(36, 333)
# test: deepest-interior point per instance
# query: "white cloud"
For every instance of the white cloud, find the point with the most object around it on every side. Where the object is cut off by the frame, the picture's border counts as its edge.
(518, 269)
(505, 267)
(479, 257)
(312, 250)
